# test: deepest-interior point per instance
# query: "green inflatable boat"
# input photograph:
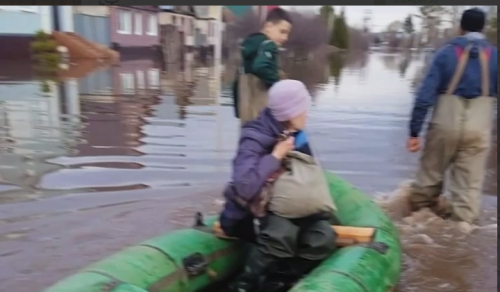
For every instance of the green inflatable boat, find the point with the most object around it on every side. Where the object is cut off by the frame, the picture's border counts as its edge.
(193, 260)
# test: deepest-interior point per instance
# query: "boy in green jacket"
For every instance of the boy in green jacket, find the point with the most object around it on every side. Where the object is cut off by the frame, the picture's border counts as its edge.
(259, 65)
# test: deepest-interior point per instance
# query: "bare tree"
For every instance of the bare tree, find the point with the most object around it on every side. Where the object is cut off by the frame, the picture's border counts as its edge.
(308, 34)
(358, 39)
(432, 18)
(394, 32)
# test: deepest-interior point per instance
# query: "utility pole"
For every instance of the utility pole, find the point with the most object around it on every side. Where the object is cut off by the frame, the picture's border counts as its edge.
(367, 19)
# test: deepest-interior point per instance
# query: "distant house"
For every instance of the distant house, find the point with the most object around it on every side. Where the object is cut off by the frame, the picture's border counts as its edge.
(183, 18)
(93, 23)
(134, 28)
(202, 26)
(215, 15)
(209, 19)
(18, 25)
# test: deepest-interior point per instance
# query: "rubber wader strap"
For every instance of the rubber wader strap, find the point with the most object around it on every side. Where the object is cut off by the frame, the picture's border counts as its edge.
(485, 68)
(459, 71)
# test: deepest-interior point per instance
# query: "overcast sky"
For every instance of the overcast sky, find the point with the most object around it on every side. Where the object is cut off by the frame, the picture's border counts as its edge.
(381, 15)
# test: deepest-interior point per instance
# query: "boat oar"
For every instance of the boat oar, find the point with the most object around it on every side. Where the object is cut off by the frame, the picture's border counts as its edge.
(346, 235)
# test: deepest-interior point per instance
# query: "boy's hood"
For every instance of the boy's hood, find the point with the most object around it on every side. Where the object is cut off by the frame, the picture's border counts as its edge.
(251, 44)
(478, 41)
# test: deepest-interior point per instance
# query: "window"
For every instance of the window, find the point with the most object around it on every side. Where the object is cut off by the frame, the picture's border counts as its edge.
(180, 24)
(152, 25)
(174, 19)
(165, 7)
(138, 24)
(203, 11)
(210, 29)
(190, 27)
(127, 82)
(154, 78)
(124, 22)
(141, 81)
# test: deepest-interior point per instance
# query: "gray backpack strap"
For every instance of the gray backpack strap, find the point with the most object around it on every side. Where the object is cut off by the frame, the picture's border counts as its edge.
(241, 68)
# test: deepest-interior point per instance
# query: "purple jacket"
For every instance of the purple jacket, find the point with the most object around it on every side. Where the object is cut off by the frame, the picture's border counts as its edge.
(253, 163)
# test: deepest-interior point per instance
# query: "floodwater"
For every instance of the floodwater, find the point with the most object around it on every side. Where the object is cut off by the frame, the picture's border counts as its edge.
(111, 157)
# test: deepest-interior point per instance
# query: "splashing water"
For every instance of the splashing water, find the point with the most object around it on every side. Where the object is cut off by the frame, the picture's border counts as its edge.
(433, 247)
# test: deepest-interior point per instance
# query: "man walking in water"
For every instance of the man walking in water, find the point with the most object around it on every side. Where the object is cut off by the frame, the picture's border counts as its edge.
(460, 85)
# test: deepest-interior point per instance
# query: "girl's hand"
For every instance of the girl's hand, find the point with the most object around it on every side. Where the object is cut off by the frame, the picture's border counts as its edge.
(282, 148)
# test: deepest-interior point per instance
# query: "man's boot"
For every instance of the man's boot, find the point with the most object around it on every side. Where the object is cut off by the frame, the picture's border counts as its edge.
(255, 268)
(288, 273)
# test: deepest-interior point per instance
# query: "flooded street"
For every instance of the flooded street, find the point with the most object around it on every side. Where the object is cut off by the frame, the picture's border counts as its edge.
(111, 157)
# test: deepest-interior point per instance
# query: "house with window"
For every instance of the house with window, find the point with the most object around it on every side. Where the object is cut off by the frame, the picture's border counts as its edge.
(215, 26)
(18, 25)
(134, 29)
(209, 20)
(183, 18)
(201, 28)
(93, 23)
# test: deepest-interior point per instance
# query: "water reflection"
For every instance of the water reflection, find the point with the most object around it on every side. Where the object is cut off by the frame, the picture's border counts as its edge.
(403, 65)
(135, 117)
(36, 126)
(132, 133)
(336, 66)
(144, 134)
(389, 61)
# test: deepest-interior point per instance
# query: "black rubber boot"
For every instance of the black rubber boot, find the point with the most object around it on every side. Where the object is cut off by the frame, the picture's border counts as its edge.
(255, 268)
(283, 276)
(299, 267)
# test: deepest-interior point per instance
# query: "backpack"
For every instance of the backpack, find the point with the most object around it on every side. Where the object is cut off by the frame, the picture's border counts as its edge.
(301, 189)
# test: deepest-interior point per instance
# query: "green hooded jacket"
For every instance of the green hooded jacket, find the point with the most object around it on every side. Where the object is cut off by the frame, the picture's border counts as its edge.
(261, 61)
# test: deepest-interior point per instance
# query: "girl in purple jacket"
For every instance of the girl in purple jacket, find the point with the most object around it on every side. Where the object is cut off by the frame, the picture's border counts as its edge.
(264, 142)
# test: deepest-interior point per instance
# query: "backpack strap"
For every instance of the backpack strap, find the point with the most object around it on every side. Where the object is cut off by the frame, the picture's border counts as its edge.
(484, 56)
(459, 51)
(459, 70)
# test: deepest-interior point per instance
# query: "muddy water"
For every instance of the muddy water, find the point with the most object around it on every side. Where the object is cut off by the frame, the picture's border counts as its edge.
(127, 153)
